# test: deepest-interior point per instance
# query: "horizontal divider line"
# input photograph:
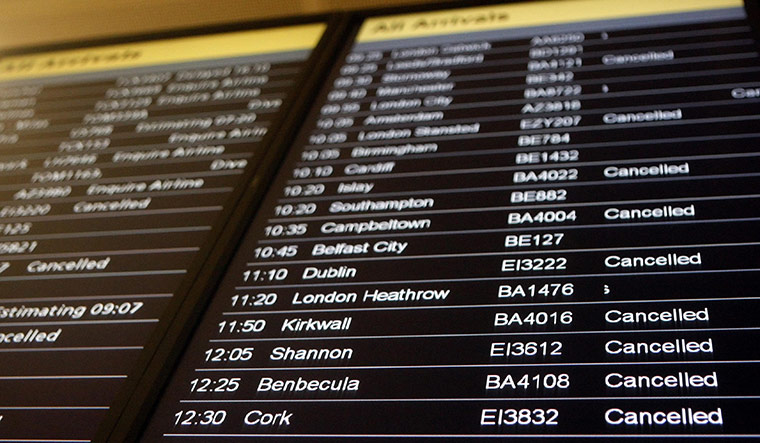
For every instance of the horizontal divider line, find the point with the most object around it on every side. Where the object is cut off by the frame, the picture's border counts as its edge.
(504, 117)
(607, 182)
(498, 134)
(499, 253)
(596, 81)
(60, 377)
(502, 436)
(652, 91)
(520, 277)
(111, 149)
(87, 85)
(86, 297)
(122, 179)
(436, 155)
(485, 399)
(515, 229)
(520, 71)
(87, 198)
(488, 365)
(514, 150)
(545, 304)
(552, 205)
(581, 82)
(80, 348)
(135, 135)
(480, 334)
(117, 252)
(94, 275)
(43, 218)
(83, 111)
(110, 166)
(655, 36)
(28, 408)
(107, 233)
(438, 191)
(80, 322)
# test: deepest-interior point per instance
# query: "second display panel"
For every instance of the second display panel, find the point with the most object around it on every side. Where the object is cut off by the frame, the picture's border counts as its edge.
(527, 219)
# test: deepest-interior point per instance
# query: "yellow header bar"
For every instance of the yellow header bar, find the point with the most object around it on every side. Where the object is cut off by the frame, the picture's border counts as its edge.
(521, 15)
(162, 52)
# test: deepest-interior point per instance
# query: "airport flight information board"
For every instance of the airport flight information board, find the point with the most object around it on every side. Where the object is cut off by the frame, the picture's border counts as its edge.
(530, 219)
(115, 165)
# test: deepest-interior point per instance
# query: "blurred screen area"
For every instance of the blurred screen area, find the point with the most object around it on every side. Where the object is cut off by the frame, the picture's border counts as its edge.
(41, 22)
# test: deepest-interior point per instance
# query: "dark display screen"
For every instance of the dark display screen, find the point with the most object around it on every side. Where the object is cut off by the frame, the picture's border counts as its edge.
(115, 165)
(532, 220)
